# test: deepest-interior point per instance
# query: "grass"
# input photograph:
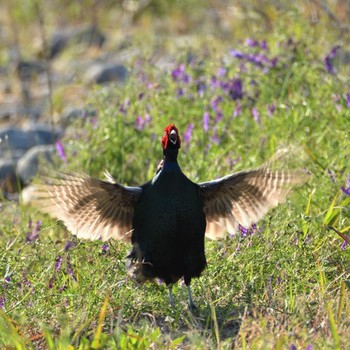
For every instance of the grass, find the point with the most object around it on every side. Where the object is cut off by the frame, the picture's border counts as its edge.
(286, 286)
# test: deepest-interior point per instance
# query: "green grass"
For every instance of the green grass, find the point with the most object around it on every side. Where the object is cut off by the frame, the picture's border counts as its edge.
(287, 284)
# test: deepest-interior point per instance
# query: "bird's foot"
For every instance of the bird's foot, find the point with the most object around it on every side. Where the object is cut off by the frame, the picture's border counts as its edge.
(192, 306)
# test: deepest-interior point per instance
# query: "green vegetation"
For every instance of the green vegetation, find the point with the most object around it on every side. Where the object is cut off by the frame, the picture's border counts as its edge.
(287, 285)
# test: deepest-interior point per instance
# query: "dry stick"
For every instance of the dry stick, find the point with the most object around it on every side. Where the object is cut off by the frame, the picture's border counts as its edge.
(43, 33)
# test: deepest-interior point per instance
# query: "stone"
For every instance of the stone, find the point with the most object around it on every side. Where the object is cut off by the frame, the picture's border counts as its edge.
(14, 138)
(28, 165)
(101, 73)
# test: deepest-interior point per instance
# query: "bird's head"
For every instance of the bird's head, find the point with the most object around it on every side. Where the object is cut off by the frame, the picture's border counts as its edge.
(171, 138)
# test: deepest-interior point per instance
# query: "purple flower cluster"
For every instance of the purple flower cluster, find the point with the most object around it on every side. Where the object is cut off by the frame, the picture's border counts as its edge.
(33, 233)
(293, 347)
(179, 74)
(188, 133)
(258, 59)
(2, 302)
(105, 248)
(57, 269)
(329, 59)
(141, 122)
(346, 189)
(247, 231)
(60, 150)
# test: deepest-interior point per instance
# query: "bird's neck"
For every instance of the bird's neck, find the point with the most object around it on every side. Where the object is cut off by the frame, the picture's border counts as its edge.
(170, 159)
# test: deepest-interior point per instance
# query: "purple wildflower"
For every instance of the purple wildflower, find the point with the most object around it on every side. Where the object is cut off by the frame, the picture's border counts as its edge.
(221, 72)
(263, 45)
(60, 150)
(347, 97)
(206, 120)
(105, 248)
(247, 231)
(292, 347)
(69, 244)
(219, 116)
(214, 82)
(58, 263)
(201, 87)
(346, 189)
(251, 42)
(141, 123)
(215, 138)
(35, 232)
(243, 230)
(256, 115)
(328, 60)
(238, 54)
(94, 122)
(273, 62)
(237, 111)
(7, 279)
(188, 133)
(271, 109)
(69, 268)
(337, 100)
(52, 281)
(259, 59)
(253, 229)
(179, 74)
(344, 245)
(123, 108)
(331, 175)
(235, 89)
(2, 302)
(309, 347)
(180, 92)
(214, 103)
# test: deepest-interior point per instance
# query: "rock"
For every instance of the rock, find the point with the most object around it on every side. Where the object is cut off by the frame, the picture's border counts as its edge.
(100, 73)
(27, 70)
(14, 138)
(88, 35)
(28, 165)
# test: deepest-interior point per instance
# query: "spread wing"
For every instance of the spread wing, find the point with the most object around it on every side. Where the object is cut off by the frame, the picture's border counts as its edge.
(244, 197)
(90, 208)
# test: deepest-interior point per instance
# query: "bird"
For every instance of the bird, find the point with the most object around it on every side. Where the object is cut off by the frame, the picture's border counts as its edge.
(166, 219)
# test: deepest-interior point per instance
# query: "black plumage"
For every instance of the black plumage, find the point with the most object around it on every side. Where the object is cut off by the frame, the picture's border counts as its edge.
(166, 219)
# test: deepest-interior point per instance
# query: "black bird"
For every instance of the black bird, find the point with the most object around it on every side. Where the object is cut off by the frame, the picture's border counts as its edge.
(166, 219)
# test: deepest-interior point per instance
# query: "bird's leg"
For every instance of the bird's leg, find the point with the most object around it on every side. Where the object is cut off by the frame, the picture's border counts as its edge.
(171, 296)
(191, 304)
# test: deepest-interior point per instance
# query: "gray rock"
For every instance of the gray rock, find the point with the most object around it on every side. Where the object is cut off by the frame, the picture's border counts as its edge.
(7, 167)
(88, 35)
(28, 165)
(14, 138)
(100, 73)
(27, 70)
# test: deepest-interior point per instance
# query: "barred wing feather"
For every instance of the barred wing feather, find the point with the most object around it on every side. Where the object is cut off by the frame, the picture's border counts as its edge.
(245, 197)
(90, 208)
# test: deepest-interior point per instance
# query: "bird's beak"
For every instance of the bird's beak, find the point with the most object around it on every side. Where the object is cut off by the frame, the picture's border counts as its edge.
(173, 137)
